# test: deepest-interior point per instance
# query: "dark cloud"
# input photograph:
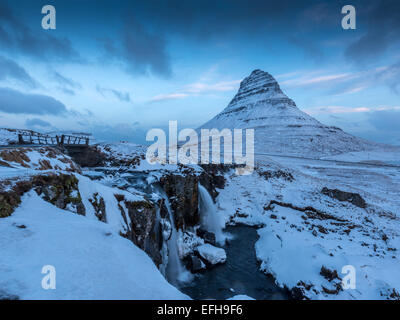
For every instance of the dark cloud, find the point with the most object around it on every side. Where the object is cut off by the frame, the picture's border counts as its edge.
(142, 45)
(18, 38)
(381, 22)
(36, 122)
(146, 27)
(140, 50)
(122, 96)
(303, 23)
(66, 85)
(209, 18)
(11, 70)
(16, 102)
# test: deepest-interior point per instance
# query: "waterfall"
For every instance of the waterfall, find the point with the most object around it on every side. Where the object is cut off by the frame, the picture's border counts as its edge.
(210, 219)
(175, 272)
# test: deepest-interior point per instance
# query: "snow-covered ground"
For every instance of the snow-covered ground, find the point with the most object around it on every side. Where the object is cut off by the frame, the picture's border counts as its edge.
(91, 260)
(8, 136)
(380, 182)
(297, 242)
(374, 156)
(306, 237)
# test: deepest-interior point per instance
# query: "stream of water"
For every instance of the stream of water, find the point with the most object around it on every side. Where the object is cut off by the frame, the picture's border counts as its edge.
(239, 275)
(210, 219)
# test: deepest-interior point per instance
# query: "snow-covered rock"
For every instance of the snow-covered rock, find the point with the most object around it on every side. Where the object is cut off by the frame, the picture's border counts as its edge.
(211, 254)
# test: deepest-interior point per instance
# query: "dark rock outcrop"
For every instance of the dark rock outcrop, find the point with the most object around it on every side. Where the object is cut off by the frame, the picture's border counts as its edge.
(183, 194)
(59, 189)
(329, 274)
(195, 264)
(353, 198)
(207, 236)
(311, 212)
(278, 174)
(144, 229)
(87, 156)
(99, 207)
(212, 178)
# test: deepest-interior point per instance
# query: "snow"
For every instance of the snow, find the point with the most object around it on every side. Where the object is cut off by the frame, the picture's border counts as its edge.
(294, 246)
(7, 136)
(211, 254)
(126, 151)
(92, 261)
(114, 218)
(122, 150)
(292, 254)
(43, 158)
(379, 157)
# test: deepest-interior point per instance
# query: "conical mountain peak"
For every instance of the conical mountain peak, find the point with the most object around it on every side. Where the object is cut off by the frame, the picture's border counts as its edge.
(280, 127)
(259, 88)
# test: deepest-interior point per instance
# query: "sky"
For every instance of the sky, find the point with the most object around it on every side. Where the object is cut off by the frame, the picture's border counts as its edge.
(119, 68)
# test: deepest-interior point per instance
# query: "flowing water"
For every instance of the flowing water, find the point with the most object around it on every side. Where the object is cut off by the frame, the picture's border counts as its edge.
(210, 219)
(175, 271)
(239, 275)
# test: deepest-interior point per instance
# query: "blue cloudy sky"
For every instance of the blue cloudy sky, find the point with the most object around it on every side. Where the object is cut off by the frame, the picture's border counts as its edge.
(117, 68)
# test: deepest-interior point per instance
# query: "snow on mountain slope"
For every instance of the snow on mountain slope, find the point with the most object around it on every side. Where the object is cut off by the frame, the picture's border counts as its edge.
(92, 261)
(280, 127)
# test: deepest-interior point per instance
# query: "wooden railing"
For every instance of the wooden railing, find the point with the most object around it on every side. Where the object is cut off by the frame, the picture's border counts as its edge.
(59, 140)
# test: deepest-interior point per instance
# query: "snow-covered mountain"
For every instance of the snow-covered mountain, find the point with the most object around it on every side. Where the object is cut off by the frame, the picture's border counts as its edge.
(280, 127)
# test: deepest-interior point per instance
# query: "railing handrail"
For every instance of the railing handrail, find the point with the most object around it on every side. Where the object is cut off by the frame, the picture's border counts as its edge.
(44, 139)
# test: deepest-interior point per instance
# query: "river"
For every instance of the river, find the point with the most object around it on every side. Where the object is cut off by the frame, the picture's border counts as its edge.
(239, 275)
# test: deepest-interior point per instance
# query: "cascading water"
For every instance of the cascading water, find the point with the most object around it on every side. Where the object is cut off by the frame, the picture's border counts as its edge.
(175, 272)
(210, 219)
